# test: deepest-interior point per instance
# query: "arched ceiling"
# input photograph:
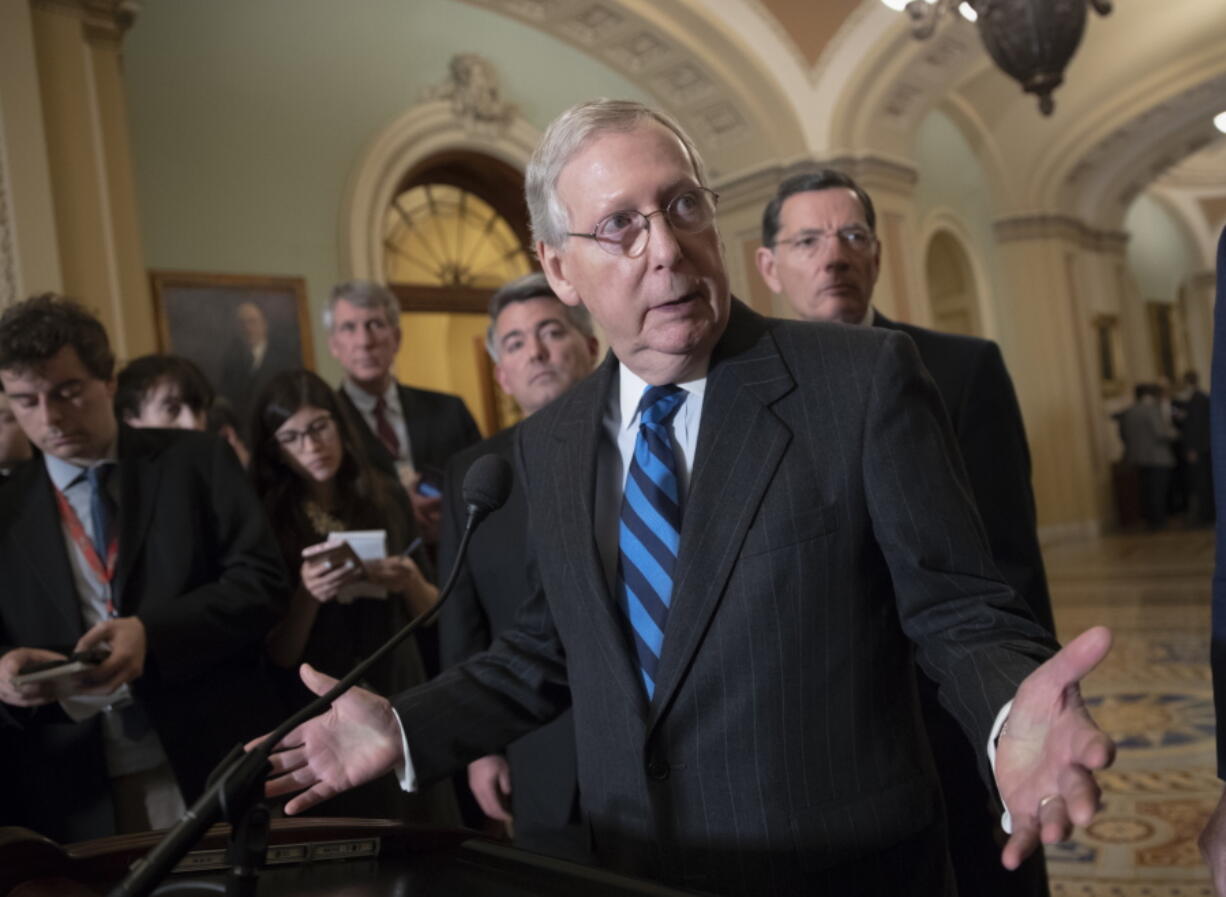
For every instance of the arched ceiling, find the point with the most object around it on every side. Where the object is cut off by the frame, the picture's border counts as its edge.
(763, 83)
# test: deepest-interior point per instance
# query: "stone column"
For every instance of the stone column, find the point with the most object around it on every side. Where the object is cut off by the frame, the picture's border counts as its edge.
(77, 49)
(29, 253)
(1057, 279)
(1196, 296)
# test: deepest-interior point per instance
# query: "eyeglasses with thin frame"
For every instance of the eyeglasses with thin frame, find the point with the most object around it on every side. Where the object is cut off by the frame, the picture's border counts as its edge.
(319, 430)
(854, 237)
(626, 232)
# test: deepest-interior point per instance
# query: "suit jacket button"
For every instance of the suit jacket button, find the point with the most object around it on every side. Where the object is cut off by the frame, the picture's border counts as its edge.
(657, 769)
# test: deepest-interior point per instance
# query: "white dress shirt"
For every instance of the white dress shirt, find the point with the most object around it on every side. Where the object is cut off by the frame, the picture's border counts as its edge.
(365, 403)
(123, 755)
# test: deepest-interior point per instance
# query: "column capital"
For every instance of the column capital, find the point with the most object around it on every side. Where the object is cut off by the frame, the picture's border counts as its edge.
(105, 21)
(1054, 226)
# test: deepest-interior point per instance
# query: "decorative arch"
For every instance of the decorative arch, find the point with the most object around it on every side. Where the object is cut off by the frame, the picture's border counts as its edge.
(944, 224)
(429, 130)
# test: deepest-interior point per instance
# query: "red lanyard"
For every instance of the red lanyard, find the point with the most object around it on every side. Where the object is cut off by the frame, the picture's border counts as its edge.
(77, 532)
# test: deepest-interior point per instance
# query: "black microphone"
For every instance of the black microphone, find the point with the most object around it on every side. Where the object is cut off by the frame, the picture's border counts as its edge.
(486, 486)
(232, 785)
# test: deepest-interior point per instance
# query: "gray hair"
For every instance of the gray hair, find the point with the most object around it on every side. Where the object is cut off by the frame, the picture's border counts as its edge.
(523, 289)
(568, 133)
(363, 294)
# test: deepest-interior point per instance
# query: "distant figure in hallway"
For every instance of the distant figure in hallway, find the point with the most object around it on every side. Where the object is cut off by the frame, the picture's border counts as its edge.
(1147, 439)
(1191, 408)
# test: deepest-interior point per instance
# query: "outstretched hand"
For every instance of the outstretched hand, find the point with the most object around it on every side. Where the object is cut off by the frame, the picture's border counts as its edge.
(356, 740)
(1212, 843)
(1048, 748)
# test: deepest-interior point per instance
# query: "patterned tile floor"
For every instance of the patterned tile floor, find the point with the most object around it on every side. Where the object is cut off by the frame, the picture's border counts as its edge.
(1153, 695)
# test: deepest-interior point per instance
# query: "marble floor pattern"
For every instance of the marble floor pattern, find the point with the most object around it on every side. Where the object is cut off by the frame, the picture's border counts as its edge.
(1153, 695)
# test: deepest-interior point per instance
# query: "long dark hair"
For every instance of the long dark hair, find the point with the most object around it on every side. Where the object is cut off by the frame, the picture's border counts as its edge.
(360, 503)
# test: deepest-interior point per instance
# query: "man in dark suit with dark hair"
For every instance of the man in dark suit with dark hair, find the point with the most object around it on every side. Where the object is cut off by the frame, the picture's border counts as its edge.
(820, 250)
(740, 530)
(410, 433)
(540, 348)
(148, 542)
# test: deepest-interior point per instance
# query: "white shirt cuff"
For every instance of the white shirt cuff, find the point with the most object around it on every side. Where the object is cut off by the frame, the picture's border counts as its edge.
(405, 774)
(1006, 821)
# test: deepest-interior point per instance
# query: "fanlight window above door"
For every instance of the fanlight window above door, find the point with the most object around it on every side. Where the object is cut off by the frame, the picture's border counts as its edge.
(441, 236)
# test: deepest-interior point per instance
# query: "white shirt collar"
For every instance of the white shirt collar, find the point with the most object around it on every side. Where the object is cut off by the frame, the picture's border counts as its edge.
(64, 473)
(631, 387)
(365, 402)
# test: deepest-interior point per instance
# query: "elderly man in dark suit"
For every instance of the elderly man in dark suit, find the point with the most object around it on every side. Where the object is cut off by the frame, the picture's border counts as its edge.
(739, 529)
(821, 251)
(1213, 838)
(410, 433)
(540, 348)
(148, 542)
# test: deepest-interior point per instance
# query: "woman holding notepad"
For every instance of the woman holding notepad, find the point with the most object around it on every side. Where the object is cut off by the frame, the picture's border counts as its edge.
(344, 528)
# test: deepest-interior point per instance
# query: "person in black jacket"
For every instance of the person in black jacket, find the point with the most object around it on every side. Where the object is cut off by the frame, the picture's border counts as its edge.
(541, 348)
(409, 433)
(821, 251)
(149, 543)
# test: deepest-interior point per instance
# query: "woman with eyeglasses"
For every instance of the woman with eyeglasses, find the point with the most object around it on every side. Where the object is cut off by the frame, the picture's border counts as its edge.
(309, 470)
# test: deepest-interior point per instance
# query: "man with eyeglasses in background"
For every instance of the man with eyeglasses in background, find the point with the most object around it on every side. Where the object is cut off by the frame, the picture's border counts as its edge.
(739, 527)
(820, 250)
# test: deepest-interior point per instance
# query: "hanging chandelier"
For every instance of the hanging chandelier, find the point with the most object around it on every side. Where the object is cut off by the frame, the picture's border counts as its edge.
(1031, 41)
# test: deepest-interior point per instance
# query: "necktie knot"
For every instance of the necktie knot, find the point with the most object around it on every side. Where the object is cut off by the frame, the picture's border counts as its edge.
(97, 475)
(659, 404)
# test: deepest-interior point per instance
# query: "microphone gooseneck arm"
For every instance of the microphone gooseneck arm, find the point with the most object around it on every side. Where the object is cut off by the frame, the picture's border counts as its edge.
(232, 784)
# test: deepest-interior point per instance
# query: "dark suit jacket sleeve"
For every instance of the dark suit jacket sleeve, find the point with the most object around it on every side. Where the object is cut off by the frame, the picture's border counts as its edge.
(1217, 446)
(231, 614)
(484, 704)
(972, 635)
(463, 626)
(993, 442)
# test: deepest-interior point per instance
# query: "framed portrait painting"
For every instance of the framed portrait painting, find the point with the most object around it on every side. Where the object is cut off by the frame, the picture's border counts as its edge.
(240, 329)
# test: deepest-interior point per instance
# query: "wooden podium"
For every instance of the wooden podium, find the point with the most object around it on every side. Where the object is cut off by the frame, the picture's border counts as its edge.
(317, 857)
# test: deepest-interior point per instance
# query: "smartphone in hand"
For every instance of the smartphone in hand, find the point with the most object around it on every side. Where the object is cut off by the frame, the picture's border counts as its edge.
(333, 554)
(47, 670)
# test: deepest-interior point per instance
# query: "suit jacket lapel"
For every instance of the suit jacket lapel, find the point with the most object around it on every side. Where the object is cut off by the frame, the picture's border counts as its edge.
(38, 537)
(417, 426)
(139, 477)
(740, 443)
(578, 434)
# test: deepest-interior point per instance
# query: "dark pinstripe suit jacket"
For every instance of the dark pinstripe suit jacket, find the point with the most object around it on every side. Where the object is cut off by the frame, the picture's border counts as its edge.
(1217, 446)
(826, 531)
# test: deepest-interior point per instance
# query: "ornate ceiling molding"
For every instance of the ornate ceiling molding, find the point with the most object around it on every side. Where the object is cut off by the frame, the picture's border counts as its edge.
(1059, 227)
(722, 93)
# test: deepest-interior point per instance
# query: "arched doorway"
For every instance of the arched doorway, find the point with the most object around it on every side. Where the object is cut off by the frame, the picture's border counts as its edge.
(951, 286)
(455, 230)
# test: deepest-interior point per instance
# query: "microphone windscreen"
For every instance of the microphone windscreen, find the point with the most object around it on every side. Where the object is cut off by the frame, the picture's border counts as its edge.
(487, 484)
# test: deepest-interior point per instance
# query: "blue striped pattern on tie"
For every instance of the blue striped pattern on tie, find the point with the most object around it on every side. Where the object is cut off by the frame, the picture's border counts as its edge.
(650, 531)
(101, 512)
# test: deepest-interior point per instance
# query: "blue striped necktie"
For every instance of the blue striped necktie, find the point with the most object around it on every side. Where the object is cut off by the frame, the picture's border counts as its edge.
(650, 530)
(101, 508)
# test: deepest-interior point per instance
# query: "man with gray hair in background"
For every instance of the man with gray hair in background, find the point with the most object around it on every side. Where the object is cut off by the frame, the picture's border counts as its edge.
(540, 348)
(410, 433)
